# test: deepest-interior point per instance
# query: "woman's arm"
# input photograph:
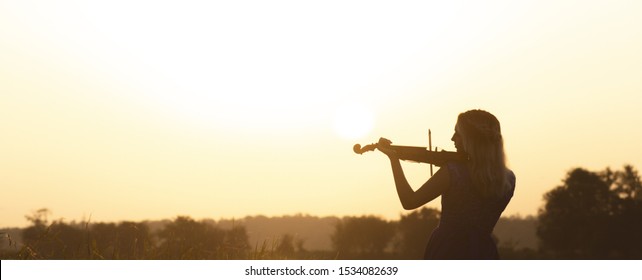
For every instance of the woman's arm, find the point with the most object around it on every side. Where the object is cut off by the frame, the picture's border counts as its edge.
(410, 199)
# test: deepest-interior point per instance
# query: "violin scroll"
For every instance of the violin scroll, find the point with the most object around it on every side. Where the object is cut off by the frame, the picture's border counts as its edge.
(367, 148)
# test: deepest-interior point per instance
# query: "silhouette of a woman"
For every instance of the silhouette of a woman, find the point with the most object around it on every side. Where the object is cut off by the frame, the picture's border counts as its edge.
(474, 193)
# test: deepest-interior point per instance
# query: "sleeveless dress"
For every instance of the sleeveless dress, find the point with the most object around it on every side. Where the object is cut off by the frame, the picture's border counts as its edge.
(467, 220)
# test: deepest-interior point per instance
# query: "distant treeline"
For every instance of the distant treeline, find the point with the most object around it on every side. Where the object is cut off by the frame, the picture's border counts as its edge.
(592, 215)
(258, 237)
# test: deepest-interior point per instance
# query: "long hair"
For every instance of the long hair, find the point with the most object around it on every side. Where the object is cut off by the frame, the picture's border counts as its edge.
(482, 140)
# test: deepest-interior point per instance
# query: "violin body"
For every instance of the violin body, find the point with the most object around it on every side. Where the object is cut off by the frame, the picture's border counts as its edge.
(417, 154)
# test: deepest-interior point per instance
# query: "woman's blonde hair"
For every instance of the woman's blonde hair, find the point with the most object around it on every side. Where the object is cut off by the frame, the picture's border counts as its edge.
(482, 140)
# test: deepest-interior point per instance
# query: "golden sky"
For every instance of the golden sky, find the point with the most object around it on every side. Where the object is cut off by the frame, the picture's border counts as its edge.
(134, 110)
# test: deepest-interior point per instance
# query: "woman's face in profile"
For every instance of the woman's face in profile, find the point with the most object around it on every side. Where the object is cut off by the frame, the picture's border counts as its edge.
(459, 143)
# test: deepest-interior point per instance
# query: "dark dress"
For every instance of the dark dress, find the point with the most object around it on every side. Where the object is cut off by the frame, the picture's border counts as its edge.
(467, 220)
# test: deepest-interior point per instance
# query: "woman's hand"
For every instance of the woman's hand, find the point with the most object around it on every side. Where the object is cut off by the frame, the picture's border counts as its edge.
(384, 146)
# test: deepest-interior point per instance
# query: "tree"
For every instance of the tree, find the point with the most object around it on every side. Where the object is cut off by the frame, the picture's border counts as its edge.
(56, 240)
(592, 216)
(414, 231)
(626, 225)
(286, 245)
(126, 240)
(236, 243)
(185, 238)
(362, 237)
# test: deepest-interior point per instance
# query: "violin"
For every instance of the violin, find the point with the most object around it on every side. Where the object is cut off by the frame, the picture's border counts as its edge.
(416, 154)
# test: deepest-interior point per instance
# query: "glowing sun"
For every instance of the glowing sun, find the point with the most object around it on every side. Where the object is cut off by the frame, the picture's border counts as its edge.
(353, 121)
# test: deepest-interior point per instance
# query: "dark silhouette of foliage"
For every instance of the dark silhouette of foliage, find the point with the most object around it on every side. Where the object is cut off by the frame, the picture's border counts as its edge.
(9, 240)
(590, 216)
(516, 238)
(414, 230)
(290, 247)
(57, 240)
(315, 231)
(287, 247)
(516, 232)
(60, 240)
(127, 240)
(509, 252)
(185, 238)
(593, 216)
(236, 243)
(626, 223)
(362, 237)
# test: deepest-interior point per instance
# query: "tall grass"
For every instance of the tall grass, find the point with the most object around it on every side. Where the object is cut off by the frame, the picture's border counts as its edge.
(103, 242)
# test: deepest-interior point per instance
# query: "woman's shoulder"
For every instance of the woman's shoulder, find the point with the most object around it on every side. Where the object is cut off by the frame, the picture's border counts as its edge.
(457, 168)
(456, 164)
(511, 176)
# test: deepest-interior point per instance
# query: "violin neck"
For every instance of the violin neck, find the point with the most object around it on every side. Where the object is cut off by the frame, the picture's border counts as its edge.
(422, 154)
